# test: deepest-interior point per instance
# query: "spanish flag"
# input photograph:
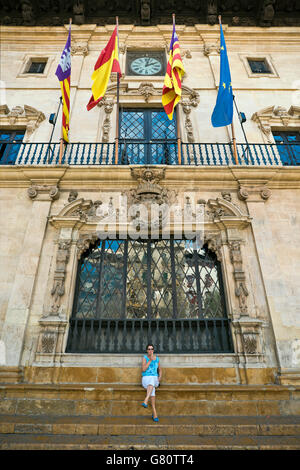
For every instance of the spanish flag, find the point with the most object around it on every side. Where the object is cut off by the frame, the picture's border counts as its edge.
(172, 85)
(63, 73)
(107, 62)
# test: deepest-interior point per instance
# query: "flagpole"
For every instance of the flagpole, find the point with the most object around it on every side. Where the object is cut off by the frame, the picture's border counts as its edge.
(232, 127)
(61, 146)
(178, 120)
(118, 100)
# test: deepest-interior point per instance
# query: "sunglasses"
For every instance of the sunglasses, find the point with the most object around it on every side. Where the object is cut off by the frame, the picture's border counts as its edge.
(150, 349)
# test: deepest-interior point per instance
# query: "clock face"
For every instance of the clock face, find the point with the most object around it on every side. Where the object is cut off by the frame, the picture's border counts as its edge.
(146, 66)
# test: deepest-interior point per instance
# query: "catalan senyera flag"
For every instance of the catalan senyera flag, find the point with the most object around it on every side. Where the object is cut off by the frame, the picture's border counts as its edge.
(172, 85)
(63, 73)
(107, 62)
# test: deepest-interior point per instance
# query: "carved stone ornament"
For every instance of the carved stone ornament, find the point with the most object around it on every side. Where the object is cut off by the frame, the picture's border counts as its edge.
(43, 192)
(108, 104)
(147, 90)
(148, 189)
(58, 289)
(276, 116)
(248, 332)
(84, 242)
(80, 48)
(186, 104)
(26, 116)
(250, 343)
(211, 49)
(241, 290)
(48, 342)
(254, 193)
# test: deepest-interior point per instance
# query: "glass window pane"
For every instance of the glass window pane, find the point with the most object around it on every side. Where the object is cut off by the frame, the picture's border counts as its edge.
(289, 154)
(37, 67)
(162, 127)
(259, 66)
(132, 125)
(9, 152)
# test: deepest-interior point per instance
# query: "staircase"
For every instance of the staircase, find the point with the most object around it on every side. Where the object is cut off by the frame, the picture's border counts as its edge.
(110, 416)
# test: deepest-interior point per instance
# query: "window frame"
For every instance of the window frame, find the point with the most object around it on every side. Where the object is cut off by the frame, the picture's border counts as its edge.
(292, 158)
(28, 59)
(7, 149)
(267, 58)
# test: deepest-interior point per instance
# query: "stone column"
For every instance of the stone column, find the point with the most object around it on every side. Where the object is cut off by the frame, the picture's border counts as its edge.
(20, 300)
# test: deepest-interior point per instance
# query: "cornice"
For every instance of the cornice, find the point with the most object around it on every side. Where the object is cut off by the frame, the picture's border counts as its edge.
(51, 35)
(92, 177)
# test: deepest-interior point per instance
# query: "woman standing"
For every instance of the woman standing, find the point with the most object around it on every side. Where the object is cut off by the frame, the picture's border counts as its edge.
(151, 376)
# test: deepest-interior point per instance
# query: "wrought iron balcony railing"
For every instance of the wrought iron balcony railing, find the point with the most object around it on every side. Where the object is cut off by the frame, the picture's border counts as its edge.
(211, 335)
(164, 153)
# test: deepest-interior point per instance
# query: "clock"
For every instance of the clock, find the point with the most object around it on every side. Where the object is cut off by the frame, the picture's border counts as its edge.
(145, 63)
(146, 66)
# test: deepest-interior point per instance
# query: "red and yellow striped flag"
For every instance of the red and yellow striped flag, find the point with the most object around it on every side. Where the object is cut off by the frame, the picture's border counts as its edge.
(63, 73)
(107, 62)
(172, 85)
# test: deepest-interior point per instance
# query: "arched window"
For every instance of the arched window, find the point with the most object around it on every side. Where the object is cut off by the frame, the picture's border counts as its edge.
(166, 291)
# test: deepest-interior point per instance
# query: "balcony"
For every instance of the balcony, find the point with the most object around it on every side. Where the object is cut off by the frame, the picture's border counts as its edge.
(158, 153)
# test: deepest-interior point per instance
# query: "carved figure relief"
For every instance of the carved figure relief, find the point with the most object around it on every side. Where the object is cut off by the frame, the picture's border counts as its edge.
(241, 290)
(58, 289)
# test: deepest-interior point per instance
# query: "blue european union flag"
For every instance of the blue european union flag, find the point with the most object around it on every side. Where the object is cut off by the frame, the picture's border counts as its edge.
(222, 114)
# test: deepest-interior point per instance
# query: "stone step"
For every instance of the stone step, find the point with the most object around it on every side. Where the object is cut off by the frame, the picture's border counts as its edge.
(125, 400)
(138, 442)
(143, 425)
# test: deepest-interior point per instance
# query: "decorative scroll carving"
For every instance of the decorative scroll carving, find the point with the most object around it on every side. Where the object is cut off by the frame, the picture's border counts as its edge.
(43, 192)
(80, 49)
(275, 116)
(254, 193)
(26, 116)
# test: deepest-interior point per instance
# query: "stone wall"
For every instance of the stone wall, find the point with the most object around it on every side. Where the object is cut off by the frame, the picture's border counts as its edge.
(39, 238)
(257, 228)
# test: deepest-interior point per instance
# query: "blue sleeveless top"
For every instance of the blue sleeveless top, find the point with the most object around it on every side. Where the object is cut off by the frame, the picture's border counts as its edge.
(152, 369)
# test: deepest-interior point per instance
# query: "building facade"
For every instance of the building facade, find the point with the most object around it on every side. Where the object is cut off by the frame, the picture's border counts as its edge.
(221, 309)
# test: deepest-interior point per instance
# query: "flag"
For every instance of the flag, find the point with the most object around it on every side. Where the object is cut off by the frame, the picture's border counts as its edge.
(223, 111)
(171, 93)
(63, 73)
(107, 62)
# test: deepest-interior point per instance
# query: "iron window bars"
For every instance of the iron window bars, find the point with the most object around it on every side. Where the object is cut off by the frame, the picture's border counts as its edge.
(129, 292)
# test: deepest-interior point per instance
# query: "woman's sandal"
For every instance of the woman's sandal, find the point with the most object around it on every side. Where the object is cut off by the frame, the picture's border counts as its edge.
(144, 405)
(155, 419)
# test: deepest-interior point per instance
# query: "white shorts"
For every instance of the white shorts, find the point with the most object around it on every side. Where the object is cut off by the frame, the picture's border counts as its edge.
(150, 380)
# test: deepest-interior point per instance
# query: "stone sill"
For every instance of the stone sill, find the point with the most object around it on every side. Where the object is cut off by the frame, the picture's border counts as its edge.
(134, 360)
